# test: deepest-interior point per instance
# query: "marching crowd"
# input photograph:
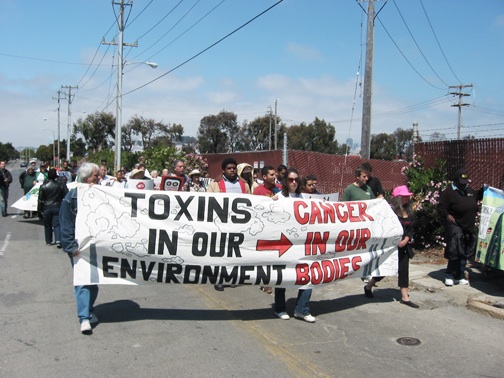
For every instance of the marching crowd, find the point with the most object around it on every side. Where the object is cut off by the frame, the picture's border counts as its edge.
(57, 206)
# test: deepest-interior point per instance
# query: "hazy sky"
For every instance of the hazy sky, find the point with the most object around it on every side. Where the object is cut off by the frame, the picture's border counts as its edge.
(307, 54)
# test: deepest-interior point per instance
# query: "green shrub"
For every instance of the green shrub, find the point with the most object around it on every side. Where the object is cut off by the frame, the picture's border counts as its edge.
(427, 184)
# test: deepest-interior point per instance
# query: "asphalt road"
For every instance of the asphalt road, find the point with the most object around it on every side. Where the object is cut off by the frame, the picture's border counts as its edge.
(195, 331)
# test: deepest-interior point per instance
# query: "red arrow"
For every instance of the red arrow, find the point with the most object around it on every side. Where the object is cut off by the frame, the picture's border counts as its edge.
(281, 245)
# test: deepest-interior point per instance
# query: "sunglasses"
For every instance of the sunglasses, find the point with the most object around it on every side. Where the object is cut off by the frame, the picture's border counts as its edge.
(293, 179)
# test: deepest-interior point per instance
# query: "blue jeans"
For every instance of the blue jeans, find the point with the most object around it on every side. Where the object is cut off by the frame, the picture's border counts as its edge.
(456, 268)
(4, 194)
(302, 302)
(51, 222)
(85, 297)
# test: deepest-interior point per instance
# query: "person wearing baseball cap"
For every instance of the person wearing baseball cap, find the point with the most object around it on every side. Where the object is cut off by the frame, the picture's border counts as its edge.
(400, 203)
(458, 206)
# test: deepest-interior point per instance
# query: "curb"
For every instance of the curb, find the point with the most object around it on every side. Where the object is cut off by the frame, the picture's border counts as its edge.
(485, 309)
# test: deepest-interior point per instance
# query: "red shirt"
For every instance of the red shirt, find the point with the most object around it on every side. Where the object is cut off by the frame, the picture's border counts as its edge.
(261, 190)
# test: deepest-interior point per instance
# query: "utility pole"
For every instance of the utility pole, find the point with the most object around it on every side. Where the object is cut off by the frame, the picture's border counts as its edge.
(368, 84)
(269, 113)
(276, 131)
(120, 66)
(460, 95)
(59, 128)
(69, 98)
(415, 137)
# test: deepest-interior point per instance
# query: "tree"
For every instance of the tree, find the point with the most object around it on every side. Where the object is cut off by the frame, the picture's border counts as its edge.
(44, 152)
(404, 143)
(169, 135)
(218, 133)
(7, 151)
(383, 146)
(317, 136)
(96, 129)
(256, 134)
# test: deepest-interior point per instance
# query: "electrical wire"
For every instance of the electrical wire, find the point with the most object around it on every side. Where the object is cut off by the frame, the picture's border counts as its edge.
(185, 31)
(169, 30)
(407, 60)
(206, 49)
(416, 43)
(437, 41)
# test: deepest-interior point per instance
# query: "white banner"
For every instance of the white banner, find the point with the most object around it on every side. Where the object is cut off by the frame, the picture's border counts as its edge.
(148, 237)
(29, 201)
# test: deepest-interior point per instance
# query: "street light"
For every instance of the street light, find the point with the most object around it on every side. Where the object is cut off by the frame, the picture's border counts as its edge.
(53, 151)
(121, 64)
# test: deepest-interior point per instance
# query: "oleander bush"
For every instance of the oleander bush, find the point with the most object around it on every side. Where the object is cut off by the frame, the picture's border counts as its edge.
(427, 184)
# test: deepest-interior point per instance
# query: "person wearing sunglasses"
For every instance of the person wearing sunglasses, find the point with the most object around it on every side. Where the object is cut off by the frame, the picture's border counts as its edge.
(291, 188)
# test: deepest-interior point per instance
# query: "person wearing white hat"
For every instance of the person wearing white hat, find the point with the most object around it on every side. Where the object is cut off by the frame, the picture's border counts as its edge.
(194, 184)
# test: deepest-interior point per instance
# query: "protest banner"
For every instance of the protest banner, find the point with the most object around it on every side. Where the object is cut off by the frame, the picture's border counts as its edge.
(490, 246)
(29, 201)
(151, 237)
(328, 197)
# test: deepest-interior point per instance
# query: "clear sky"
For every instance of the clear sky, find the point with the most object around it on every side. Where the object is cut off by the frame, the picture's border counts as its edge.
(309, 55)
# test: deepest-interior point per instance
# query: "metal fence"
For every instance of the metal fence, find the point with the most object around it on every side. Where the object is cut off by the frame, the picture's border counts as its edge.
(334, 172)
(483, 158)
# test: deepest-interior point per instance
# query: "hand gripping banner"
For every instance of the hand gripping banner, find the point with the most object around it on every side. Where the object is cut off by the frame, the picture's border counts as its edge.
(153, 237)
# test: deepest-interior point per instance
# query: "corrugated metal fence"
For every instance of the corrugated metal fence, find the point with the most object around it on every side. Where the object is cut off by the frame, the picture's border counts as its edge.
(333, 172)
(483, 158)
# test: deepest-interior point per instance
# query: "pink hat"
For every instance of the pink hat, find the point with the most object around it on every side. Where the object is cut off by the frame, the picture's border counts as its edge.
(401, 191)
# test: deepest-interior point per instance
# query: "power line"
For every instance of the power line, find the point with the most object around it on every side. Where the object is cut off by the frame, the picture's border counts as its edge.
(407, 60)
(169, 30)
(206, 49)
(416, 43)
(185, 31)
(437, 41)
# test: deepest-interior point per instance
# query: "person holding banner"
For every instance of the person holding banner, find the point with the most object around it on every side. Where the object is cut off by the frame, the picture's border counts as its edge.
(268, 187)
(230, 183)
(291, 189)
(85, 296)
(28, 179)
(51, 194)
(400, 203)
(178, 168)
(458, 206)
(245, 174)
(195, 185)
(358, 190)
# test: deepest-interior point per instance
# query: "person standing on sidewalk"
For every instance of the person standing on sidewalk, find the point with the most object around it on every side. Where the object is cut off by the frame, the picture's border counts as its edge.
(400, 203)
(85, 295)
(5, 181)
(458, 206)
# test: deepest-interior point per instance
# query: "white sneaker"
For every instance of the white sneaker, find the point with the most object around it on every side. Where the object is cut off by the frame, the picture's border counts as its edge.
(307, 318)
(448, 281)
(462, 281)
(94, 319)
(282, 315)
(85, 327)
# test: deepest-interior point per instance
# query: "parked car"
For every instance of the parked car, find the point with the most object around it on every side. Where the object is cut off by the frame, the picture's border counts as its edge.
(23, 164)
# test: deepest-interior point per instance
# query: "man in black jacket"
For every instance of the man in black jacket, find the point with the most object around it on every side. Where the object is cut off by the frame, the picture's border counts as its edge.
(458, 206)
(51, 195)
(5, 180)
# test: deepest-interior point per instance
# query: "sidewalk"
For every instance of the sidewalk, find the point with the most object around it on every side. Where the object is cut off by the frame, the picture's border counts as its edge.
(484, 294)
